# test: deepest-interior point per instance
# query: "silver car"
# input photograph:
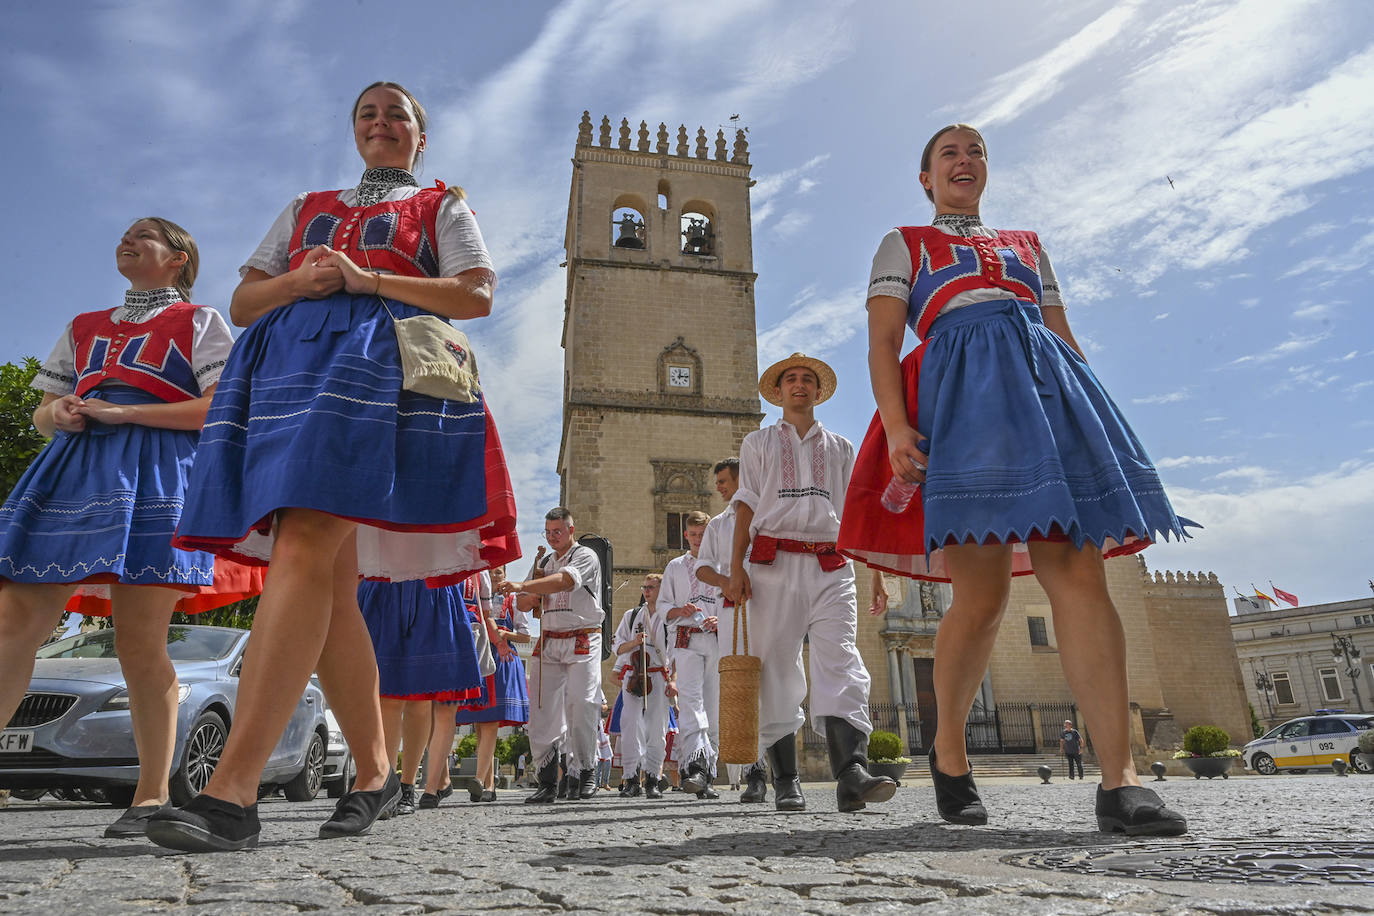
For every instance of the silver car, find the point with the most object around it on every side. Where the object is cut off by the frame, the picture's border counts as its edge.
(72, 729)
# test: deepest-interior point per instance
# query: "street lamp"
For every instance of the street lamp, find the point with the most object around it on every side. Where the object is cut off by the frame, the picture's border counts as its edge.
(1343, 649)
(1263, 686)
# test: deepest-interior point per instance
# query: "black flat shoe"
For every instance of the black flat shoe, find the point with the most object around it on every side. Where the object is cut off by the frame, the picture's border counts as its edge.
(429, 800)
(356, 812)
(133, 822)
(488, 796)
(956, 797)
(206, 824)
(475, 792)
(1136, 811)
(407, 803)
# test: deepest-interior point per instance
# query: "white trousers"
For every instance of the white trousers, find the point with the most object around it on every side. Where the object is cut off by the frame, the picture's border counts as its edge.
(565, 703)
(795, 600)
(643, 734)
(698, 700)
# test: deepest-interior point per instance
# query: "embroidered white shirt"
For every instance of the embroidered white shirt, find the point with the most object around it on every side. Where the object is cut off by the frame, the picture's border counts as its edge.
(682, 587)
(718, 543)
(580, 606)
(796, 486)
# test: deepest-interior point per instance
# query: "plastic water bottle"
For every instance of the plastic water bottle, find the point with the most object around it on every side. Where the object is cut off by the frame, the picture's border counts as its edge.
(898, 495)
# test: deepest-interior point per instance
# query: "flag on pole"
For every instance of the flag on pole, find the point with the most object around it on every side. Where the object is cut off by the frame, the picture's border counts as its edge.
(1262, 595)
(1246, 598)
(1289, 597)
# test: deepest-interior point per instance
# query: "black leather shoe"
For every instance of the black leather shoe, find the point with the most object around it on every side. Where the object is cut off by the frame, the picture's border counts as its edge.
(585, 785)
(205, 824)
(132, 823)
(696, 776)
(430, 800)
(407, 804)
(956, 797)
(708, 793)
(475, 791)
(633, 787)
(488, 796)
(653, 789)
(782, 757)
(1136, 811)
(356, 812)
(548, 784)
(854, 785)
(755, 784)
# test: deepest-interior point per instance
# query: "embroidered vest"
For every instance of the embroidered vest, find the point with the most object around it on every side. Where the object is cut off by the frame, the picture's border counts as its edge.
(153, 356)
(942, 266)
(396, 235)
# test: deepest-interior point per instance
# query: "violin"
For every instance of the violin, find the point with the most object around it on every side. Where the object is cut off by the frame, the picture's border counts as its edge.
(538, 610)
(639, 684)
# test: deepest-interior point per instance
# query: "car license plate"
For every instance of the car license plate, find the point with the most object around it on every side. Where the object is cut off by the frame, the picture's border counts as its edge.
(13, 741)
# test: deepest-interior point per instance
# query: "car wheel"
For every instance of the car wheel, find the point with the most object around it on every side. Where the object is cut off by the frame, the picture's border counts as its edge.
(1362, 763)
(1264, 765)
(28, 794)
(199, 758)
(340, 787)
(120, 796)
(306, 784)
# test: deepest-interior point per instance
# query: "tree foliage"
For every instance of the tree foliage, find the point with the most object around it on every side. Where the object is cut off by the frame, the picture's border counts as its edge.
(19, 441)
(239, 614)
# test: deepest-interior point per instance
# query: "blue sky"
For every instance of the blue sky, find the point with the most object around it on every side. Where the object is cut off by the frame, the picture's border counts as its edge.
(1227, 314)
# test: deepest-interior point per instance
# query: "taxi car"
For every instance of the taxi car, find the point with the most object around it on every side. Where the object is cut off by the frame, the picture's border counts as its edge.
(1309, 742)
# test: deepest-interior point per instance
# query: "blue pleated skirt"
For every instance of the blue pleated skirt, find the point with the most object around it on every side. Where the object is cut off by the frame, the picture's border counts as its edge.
(1024, 441)
(508, 704)
(310, 413)
(422, 641)
(101, 505)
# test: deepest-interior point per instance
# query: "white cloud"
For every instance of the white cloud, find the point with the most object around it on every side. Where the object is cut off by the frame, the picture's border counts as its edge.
(1173, 397)
(1184, 461)
(1161, 316)
(1254, 533)
(815, 326)
(1249, 472)
(771, 187)
(1316, 310)
(1293, 344)
(1352, 257)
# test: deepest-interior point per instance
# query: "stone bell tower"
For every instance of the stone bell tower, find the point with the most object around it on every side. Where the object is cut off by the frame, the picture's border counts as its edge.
(660, 362)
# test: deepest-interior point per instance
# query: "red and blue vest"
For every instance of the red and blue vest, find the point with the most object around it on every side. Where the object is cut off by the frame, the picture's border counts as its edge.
(397, 235)
(153, 356)
(943, 265)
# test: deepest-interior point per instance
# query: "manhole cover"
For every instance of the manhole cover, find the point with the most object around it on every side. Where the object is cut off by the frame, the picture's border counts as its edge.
(1245, 863)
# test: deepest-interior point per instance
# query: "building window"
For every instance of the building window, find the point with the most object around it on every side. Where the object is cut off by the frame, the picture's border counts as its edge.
(1039, 636)
(1364, 620)
(1283, 688)
(1331, 684)
(677, 524)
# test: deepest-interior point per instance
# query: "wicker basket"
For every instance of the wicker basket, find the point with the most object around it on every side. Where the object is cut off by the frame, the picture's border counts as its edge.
(739, 697)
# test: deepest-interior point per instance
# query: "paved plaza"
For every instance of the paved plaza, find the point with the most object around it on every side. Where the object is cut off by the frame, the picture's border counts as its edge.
(1290, 844)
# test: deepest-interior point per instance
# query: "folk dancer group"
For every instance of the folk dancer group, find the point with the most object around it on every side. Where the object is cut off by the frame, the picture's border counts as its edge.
(182, 464)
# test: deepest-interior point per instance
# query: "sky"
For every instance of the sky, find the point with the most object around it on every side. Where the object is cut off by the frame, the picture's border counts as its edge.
(1201, 172)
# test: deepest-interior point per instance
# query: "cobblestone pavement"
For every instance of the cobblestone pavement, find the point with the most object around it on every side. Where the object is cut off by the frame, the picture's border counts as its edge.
(681, 855)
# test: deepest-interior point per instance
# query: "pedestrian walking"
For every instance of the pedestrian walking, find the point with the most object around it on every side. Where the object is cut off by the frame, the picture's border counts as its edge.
(1071, 746)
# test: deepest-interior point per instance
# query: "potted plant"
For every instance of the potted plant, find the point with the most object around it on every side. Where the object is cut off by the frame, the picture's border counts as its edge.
(1364, 762)
(1207, 752)
(885, 756)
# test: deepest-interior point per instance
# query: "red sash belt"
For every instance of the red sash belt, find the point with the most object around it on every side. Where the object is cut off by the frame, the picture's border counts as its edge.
(583, 637)
(765, 550)
(684, 636)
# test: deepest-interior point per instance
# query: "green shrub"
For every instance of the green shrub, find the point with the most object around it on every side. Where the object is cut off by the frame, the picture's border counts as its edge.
(1206, 740)
(1255, 728)
(518, 743)
(884, 746)
(467, 746)
(1367, 742)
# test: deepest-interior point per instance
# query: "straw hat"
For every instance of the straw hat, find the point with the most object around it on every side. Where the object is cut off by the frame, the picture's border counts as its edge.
(768, 382)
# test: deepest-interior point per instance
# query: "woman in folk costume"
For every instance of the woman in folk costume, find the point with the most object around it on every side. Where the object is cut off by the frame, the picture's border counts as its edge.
(425, 652)
(124, 395)
(505, 699)
(1024, 465)
(318, 458)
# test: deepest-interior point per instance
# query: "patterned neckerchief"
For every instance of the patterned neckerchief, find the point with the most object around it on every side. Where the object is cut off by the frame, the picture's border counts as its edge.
(378, 183)
(959, 223)
(142, 301)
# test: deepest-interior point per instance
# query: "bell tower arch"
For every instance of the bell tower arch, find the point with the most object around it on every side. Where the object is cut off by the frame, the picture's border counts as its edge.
(659, 337)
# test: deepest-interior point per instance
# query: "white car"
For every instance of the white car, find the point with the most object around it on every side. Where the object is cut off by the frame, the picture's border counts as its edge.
(1310, 742)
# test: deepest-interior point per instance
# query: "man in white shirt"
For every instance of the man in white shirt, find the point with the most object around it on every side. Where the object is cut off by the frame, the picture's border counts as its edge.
(713, 568)
(565, 673)
(793, 478)
(643, 715)
(689, 607)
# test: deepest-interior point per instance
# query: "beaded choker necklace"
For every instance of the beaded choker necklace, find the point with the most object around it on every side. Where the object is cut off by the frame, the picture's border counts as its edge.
(378, 183)
(958, 223)
(145, 300)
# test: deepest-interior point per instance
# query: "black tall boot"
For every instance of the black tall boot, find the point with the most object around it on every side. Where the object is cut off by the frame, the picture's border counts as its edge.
(584, 787)
(755, 784)
(565, 780)
(782, 757)
(696, 776)
(548, 784)
(854, 785)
